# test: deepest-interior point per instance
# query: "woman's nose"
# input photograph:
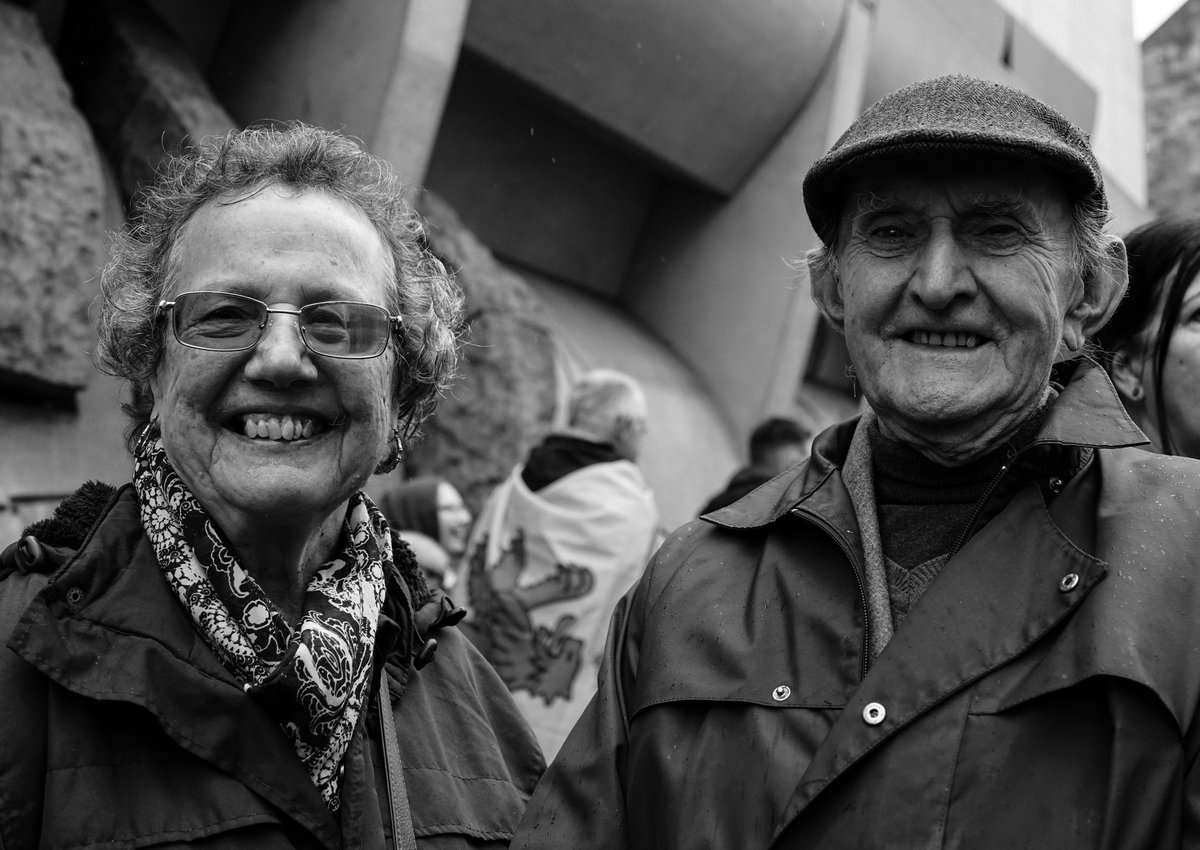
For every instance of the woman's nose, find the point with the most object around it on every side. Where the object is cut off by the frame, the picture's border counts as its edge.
(281, 357)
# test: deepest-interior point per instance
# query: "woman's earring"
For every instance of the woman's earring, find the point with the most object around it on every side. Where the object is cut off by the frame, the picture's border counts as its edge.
(148, 433)
(394, 456)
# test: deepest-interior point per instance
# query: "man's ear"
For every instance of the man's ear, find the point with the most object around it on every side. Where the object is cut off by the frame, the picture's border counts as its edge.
(1103, 288)
(826, 287)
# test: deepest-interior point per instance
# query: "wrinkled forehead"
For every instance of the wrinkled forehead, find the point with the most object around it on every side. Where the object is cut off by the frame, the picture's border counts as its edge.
(962, 186)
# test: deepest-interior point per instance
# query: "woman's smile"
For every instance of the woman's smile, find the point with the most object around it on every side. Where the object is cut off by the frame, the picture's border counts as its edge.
(286, 427)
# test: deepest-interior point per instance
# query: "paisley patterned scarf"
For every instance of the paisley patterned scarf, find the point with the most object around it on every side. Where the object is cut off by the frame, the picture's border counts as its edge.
(315, 678)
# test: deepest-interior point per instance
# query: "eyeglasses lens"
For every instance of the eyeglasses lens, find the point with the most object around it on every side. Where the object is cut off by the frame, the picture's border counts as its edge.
(223, 321)
(217, 320)
(345, 328)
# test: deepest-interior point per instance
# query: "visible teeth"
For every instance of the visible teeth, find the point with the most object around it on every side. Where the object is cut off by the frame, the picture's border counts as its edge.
(259, 426)
(950, 339)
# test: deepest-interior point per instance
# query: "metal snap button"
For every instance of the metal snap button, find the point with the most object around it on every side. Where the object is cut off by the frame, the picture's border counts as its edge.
(1056, 485)
(781, 693)
(1069, 582)
(874, 713)
(74, 597)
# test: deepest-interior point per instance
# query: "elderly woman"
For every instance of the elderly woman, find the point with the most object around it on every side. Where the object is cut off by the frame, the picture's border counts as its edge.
(234, 651)
(971, 617)
(1154, 337)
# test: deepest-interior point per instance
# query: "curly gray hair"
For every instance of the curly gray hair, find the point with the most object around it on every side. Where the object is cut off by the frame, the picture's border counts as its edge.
(294, 155)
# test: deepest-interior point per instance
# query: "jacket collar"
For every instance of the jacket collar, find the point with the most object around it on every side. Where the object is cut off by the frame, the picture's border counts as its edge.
(1087, 413)
(107, 627)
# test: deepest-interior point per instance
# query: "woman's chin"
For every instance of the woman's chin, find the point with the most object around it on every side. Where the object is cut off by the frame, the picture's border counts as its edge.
(292, 482)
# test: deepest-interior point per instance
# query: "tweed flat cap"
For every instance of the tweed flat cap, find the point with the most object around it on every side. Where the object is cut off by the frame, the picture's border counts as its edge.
(951, 114)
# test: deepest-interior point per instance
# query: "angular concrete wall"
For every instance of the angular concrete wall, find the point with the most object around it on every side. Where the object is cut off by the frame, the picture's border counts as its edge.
(705, 88)
(376, 69)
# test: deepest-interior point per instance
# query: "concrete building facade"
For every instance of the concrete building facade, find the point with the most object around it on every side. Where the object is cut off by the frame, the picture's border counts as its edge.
(636, 163)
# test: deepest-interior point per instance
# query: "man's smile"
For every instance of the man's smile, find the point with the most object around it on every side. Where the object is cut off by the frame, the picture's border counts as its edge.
(945, 339)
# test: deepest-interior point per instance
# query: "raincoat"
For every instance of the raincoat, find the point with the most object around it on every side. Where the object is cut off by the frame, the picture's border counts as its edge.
(1042, 692)
(120, 728)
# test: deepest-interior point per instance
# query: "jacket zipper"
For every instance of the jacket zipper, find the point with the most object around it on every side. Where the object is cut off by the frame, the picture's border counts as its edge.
(965, 534)
(856, 568)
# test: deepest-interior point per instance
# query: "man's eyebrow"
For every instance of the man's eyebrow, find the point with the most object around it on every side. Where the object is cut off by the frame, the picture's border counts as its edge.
(1004, 205)
(1018, 207)
(868, 204)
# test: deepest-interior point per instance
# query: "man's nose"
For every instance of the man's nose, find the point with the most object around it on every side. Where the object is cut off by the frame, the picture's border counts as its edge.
(281, 358)
(944, 272)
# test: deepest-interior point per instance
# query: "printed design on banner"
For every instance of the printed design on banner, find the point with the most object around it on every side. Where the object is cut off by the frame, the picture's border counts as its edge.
(543, 661)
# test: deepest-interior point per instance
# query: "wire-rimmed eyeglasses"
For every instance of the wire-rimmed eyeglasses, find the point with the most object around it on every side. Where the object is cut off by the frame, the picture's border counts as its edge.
(226, 321)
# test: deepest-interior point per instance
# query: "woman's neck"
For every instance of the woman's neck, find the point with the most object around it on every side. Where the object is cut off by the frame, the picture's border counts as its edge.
(283, 556)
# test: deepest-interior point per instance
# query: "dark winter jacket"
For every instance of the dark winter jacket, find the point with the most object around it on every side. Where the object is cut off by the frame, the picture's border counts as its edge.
(120, 728)
(1042, 693)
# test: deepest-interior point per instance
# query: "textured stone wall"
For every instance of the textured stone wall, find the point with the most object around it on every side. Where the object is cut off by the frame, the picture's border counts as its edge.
(506, 397)
(51, 232)
(1171, 77)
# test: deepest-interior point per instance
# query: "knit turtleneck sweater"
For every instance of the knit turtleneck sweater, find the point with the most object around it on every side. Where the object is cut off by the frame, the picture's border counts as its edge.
(924, 507)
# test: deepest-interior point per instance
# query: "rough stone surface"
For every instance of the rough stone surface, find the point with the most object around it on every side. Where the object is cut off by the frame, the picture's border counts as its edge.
(1171, 81)
(137, 87)
(51, 203)
(505, 400)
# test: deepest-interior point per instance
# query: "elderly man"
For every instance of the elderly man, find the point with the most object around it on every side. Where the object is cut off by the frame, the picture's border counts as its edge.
(554, 548)
(970, 618)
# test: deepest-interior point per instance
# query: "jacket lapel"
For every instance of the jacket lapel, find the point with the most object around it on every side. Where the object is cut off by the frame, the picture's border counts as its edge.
(980, 613)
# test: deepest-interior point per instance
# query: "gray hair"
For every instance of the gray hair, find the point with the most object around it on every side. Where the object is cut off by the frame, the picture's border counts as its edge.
(601, 399)
(294, 155)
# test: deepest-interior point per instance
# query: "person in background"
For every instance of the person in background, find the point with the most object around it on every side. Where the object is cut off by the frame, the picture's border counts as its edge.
(553, 549)
(234, 651)
(776, 444)
(1152, 342)
(429, 514)
(971, 617)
